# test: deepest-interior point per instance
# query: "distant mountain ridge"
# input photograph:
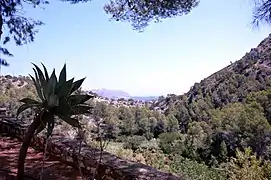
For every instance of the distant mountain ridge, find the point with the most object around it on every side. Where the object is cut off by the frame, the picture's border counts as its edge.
(110, 93)
(117, 94)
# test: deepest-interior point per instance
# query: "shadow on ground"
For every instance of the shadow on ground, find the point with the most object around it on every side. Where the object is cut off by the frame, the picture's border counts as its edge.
(53, 169)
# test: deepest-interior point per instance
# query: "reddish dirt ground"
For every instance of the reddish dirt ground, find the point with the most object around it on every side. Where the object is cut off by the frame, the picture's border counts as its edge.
(53, 169)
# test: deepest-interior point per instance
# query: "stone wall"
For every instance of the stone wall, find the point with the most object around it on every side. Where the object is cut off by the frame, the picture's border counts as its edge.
(66, 150)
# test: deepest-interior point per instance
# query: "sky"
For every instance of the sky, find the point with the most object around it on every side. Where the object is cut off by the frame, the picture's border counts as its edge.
(168, 57)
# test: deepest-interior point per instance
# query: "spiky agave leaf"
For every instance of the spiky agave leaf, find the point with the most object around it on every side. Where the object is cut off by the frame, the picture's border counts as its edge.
(72, 105)
(45, 72)
(50, 86)
(37, 80)
(38, 88)
(22, 108)
(76, 85)
(62, 75)
(79, 109)
(28, 103)
(68, 110)
(78, 99)
(71, 121)
(41, 75)
(64, 90)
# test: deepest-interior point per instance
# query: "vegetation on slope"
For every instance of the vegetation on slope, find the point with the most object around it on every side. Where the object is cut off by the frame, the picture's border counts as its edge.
(220, 129)
(231, 84)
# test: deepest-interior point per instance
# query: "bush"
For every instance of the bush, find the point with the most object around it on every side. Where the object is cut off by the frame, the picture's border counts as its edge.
(193, 170)
(134, 142)
(246, 166)
(150, 145)
(169, 141)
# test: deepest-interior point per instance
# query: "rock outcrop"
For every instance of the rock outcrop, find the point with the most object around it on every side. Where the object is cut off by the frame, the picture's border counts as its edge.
(108, 167)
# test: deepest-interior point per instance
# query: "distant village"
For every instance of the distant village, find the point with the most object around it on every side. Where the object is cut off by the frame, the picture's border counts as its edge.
(121, 101)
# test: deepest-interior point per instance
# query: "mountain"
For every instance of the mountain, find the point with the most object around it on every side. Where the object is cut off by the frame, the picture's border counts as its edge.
(233, 83)
(112, 94)
(118, 94)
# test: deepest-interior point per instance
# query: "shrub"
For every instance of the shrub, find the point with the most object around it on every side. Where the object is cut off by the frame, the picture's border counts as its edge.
(134, 142)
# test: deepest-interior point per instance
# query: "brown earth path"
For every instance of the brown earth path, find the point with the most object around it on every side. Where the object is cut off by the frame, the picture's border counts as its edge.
(53, 169)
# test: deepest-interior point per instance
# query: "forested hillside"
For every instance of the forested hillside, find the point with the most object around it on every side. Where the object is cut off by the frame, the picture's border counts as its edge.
(220, 129)
(232, 84)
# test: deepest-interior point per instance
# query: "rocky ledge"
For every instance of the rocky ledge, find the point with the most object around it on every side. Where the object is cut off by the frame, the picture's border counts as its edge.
(109, 167)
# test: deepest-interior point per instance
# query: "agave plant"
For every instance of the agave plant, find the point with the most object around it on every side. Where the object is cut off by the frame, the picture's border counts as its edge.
(56, 98)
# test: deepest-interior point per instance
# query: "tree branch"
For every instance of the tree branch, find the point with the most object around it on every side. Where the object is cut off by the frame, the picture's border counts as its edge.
(1, 25)
(262, 13)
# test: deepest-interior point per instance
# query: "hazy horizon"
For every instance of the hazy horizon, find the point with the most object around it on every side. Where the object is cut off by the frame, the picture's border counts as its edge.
(169, 57)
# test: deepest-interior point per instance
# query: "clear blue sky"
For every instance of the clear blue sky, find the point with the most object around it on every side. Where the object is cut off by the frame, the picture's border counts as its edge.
(168, 57)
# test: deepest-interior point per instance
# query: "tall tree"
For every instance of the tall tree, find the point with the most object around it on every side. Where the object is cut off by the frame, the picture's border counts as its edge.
(141, 12)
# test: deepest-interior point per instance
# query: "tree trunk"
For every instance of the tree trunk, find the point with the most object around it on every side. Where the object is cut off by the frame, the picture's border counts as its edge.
(26, 143)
